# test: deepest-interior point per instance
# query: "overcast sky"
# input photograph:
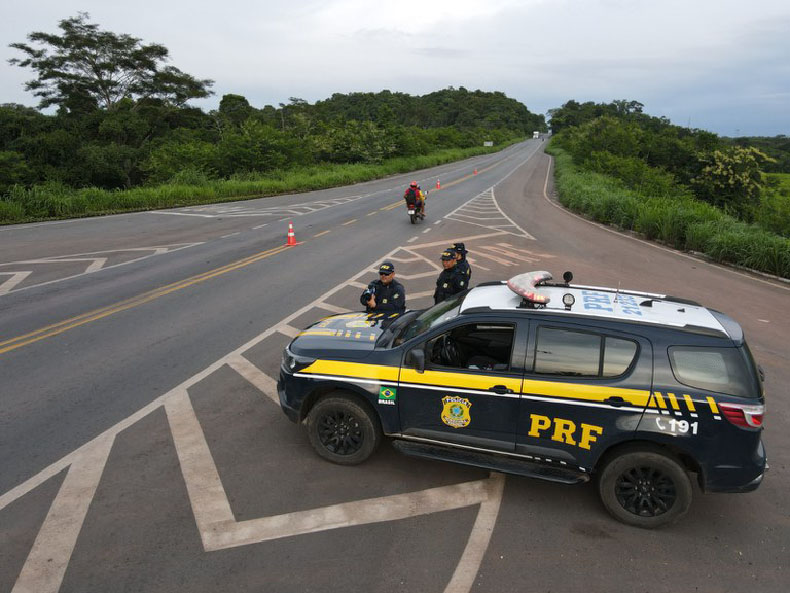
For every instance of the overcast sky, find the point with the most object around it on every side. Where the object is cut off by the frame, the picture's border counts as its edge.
(719, 65)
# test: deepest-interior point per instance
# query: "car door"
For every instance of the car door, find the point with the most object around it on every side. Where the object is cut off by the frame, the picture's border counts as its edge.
(468, 392)
(585, 388)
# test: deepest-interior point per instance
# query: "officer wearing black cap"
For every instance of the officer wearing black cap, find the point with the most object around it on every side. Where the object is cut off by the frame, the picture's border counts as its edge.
(462, 265)
(450, 281)
(385, 295)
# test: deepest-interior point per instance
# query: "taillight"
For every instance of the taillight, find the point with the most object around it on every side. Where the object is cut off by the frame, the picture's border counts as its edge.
(743, 415)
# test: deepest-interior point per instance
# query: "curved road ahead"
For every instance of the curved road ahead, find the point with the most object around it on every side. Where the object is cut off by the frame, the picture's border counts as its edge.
(141, 449)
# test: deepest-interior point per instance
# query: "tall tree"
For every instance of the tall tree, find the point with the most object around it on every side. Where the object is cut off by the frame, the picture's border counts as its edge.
(86, 63)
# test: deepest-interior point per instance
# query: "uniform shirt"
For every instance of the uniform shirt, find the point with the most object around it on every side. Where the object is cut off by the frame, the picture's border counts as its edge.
(465, 269)
(389, 297)
(448, 283)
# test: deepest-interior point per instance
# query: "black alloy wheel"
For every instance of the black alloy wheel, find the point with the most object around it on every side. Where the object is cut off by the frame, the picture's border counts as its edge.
(645, 491)
(645, 488)
(342, 430)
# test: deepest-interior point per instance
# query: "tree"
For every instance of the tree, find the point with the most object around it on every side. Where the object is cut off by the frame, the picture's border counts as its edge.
(87, 66)
(731, 179)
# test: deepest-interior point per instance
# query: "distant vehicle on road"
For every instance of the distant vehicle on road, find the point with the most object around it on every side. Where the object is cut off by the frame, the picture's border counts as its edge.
(535, 135)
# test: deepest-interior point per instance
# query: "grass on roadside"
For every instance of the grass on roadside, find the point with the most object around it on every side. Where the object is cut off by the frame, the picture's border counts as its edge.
(682, 222)
(54, 200)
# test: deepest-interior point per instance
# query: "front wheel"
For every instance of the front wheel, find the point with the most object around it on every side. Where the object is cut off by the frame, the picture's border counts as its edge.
(645, 489)
(342, 430)
(413, 218)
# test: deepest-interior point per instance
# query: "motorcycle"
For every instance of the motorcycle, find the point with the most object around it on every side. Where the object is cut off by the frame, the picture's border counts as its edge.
(414, 214)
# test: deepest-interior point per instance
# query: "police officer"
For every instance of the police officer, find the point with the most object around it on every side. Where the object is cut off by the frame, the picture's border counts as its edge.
(462, 265)
(385, 295)
(450, 281)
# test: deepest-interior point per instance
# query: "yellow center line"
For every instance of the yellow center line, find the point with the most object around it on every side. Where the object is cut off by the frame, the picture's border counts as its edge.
(321, 233)
(371, 213)
(352, 221)
(62, 326)
(393, 205)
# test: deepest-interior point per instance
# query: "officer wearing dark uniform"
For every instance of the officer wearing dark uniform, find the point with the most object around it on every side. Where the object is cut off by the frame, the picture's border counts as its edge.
(462, 265)
(385, 295)
(450, 281)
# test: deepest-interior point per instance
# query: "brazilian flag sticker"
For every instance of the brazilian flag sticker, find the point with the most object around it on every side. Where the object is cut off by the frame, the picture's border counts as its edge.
(387, 396)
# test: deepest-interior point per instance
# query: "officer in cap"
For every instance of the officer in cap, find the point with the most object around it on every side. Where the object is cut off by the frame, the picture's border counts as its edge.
(450, 281)
(385, 295)
(462, 265)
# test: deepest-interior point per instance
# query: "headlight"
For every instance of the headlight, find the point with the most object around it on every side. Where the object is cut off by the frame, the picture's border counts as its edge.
(293, 363)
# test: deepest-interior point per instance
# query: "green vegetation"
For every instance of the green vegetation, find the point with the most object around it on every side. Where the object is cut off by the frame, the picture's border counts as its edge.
(191, 187)
(687, 188)
(124, 137)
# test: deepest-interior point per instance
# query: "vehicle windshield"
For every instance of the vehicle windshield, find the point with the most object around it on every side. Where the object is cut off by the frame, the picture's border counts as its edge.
(432, 317)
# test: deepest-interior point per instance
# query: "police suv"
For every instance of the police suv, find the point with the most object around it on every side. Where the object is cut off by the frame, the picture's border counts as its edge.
(547, 380)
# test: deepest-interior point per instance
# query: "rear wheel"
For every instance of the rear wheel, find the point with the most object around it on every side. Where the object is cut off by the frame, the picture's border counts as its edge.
(342, 431)
(413, 218)
(645, 489)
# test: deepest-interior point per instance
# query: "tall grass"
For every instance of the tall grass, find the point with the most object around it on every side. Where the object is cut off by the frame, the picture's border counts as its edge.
(187, 188)
(679, 221)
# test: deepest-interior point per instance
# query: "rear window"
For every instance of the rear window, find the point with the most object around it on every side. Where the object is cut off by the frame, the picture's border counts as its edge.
(725, 370)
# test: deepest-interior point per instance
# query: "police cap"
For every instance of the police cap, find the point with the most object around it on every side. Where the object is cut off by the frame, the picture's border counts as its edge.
(386, 268)
(448, 254)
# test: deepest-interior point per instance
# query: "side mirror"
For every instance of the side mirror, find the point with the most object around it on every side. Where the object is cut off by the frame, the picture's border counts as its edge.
(416, 359)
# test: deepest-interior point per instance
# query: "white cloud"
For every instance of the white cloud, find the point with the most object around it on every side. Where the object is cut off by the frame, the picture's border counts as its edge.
(722, 62)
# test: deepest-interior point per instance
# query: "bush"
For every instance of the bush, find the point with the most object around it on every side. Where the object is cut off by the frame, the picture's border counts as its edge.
(682, 222)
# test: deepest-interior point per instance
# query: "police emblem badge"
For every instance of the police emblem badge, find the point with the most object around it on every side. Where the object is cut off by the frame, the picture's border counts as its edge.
(455, 412)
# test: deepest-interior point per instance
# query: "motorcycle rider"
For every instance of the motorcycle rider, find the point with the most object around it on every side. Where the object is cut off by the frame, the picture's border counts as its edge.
(414, 195)
(385, 295)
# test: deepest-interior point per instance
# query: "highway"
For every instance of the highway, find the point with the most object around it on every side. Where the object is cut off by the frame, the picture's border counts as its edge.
(141, 448)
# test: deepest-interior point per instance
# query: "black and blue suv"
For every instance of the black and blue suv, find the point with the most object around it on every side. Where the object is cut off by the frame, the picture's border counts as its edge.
(548, 380)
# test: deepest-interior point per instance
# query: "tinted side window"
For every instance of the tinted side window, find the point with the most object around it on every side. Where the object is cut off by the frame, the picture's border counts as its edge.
(565, 352)
(618, 356)
(580, 354)
(716, 369)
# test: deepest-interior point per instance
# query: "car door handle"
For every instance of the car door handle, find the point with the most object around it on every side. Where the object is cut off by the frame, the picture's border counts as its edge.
(501, 389)
(615, 400)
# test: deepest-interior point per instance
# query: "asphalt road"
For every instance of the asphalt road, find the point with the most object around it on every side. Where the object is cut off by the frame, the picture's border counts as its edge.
(140, 448)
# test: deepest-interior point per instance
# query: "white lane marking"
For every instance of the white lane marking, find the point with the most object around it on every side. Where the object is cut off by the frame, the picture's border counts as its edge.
(181, 213)
(56, 259)
(426, 231)
(288, 330)
(260, 226)
(416, 276)
(16, 278)
(438, 222)
(358, 284)
(349, 514)
(263, 382)
(485, 202)
(96, 262)
(465, 573)
(230, 235)
(210, 505)
(419, 295)
(48, 558)
(331, 308)
(413, 239)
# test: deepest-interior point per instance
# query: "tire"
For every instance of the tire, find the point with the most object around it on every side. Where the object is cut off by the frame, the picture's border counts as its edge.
(343, 431)
(413, 218)
(645, 489)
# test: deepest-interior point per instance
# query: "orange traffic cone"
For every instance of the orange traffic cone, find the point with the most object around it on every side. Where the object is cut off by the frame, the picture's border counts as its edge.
(475, 171)
(438, 185)
(291, 235)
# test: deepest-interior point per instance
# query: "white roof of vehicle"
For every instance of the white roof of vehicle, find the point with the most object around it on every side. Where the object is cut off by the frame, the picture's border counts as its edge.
(607, 303)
